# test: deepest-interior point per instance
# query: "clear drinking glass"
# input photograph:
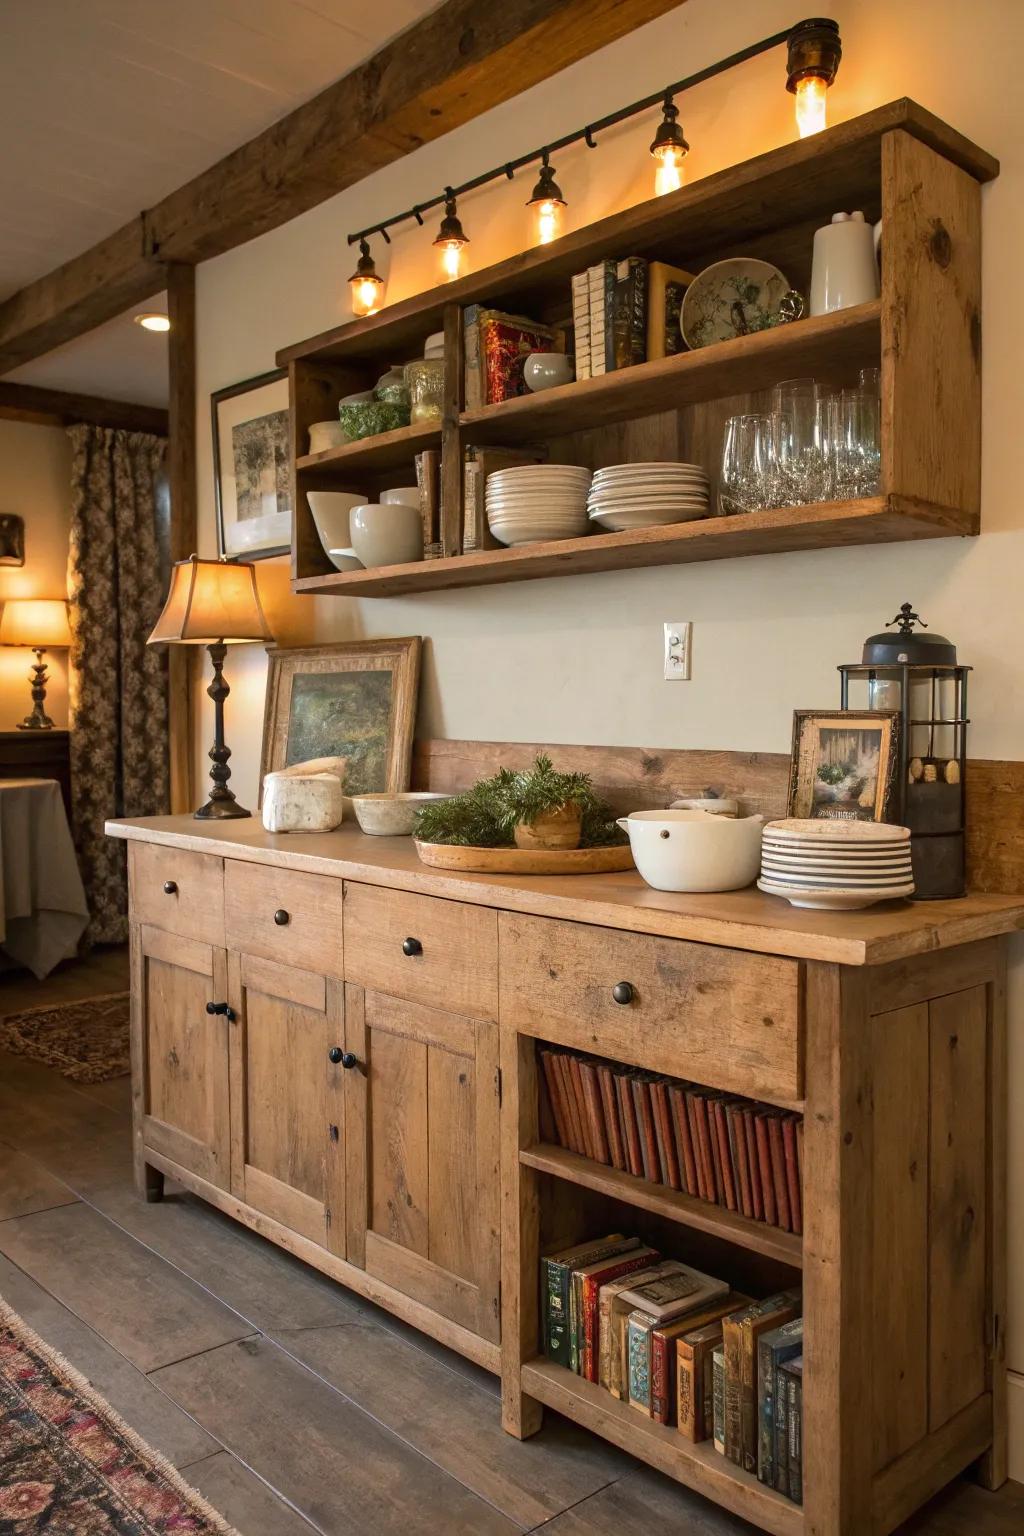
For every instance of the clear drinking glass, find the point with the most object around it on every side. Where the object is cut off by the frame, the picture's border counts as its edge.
(871, 381)
(803, 428)
(746, 483)
(857, 458)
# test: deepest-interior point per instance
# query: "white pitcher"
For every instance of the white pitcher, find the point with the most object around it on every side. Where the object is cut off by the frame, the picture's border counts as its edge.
(844, 270)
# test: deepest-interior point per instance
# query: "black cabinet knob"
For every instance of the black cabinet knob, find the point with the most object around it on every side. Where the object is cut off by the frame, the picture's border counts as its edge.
(346, 1059)
(224, 1008)
(170, 888)
(623, 992)
(412, 947)
(281, 917)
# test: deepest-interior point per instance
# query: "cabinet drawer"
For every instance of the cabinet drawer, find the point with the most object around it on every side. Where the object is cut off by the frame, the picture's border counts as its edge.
(178, 891)
(453, 963)
(285, 915)
(715, 1016)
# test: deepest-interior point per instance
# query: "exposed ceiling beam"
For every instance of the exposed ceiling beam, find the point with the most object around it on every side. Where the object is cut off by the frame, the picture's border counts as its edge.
(57, 408)
(458, 62)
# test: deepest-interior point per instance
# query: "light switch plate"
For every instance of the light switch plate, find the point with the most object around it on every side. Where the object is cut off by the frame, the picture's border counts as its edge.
(677, 651)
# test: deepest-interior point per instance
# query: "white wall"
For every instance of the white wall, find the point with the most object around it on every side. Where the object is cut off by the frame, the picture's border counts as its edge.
(578, 660)
(35, 482)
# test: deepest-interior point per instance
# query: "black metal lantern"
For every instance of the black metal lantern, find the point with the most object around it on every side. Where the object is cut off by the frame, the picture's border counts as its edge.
(919, 675)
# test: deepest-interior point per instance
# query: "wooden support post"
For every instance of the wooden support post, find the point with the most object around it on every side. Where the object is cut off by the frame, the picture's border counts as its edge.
(520, 1232)
(181, 470)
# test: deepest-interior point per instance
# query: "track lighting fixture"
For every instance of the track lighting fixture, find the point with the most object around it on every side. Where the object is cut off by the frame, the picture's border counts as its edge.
(451, 240)
(548, 205)
(813, 54)
(367, 288)
(669, 150)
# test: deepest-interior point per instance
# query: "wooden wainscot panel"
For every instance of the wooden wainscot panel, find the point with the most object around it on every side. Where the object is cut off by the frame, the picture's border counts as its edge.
(452, 949)
(284, 915)
(715, 1015)
(179, 891)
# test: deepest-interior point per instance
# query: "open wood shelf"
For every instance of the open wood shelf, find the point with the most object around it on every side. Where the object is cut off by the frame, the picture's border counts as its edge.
(758, 1236)
(385, 451)
(700, 1466)
(824, 525)
(845, 340)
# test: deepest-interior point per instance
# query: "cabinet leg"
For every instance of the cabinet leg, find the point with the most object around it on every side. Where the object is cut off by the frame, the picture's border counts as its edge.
(149, 1183)
(521, 1416)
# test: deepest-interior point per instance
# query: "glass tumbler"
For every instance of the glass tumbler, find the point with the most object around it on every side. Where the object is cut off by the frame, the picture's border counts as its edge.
(746, 484)
(802, 430)
(857, 456)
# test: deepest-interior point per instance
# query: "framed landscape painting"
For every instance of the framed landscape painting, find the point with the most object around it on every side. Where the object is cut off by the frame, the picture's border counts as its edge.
(251, 468)
(355, 700)
(843, 765)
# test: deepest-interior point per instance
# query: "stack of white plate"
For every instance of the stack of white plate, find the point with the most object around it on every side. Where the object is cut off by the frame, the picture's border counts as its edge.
(648, 495)
(836, 865)
(534, 502)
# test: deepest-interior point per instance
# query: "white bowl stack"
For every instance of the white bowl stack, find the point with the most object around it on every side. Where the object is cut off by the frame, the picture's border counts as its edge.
(836, 865)
(532, 503)
(625, 496)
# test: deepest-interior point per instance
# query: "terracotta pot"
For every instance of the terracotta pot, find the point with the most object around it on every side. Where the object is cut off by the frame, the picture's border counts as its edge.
(555, 829)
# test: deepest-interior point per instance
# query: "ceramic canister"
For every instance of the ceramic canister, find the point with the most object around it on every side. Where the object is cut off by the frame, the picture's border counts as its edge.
(844, 269)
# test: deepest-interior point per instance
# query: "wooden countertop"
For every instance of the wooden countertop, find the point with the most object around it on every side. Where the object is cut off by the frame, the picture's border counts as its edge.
(736, 919)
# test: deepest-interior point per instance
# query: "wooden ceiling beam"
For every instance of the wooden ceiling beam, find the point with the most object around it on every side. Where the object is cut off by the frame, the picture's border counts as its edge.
(58, 408)
(445, 70)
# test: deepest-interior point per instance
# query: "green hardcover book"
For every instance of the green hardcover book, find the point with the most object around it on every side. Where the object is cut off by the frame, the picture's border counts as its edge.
(556, 1282)
(792, 1373)
(718, 1400)
(773, 1349)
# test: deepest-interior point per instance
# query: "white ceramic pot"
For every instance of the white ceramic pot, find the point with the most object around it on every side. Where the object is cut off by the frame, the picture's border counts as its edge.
(694, 851)
(386, 535)
(391, 815)
(293, 803)
(324, 435)
(844, 267)
(401, 496)
(330, 511)
(545, 370)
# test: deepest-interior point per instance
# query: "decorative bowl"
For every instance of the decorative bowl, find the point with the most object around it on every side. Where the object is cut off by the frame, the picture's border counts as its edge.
(330, 511)
(389, 535)
(694, 851)
(368, 418)
(391, 815)
(402, 496)
(731, 298)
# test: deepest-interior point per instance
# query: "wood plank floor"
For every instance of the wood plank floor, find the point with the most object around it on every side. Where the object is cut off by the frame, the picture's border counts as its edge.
(293, 1405)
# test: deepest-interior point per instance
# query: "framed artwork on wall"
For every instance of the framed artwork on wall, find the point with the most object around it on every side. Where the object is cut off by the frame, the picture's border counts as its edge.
(355, 700)
(844, 764)
(252, 478)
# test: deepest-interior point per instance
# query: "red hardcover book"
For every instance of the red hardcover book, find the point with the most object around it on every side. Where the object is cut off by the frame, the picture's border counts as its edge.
(778, 1158)
(684, 1140)
(737, 1137)
(724, 1154)
(631, 1131)
(612, 1122)
(595, 1113)
(580, 1100)
(554, 1087)
(641, 1090)
(750, 1137)
(569, 1103)
(764, 1164)
(666, 1141)
(593, 1278)
(789, 1125)
(700, 1115)
(800, 1154)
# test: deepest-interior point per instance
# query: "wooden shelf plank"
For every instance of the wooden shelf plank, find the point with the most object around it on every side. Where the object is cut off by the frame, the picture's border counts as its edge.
(384, 451)
(700, 1466)
(845, 340)
(824, 525)
(688, 1211)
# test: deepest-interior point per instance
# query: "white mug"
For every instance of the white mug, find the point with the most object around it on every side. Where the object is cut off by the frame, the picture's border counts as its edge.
(844, 269)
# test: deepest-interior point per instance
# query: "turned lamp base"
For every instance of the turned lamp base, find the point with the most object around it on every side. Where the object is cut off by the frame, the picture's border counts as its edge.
(222, 805)
(38, 720)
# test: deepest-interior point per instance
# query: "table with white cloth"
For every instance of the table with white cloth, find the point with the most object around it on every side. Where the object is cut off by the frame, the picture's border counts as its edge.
(43, 910)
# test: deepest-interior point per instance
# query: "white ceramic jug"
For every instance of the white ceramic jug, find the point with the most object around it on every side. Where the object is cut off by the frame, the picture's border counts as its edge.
(844, 269)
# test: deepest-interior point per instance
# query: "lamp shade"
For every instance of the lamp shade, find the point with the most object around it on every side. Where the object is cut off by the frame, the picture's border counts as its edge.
(211, 601)
(39, 622)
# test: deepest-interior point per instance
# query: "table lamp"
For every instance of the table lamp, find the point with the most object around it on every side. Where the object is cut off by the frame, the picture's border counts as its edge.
(213, 603)
(41, 623)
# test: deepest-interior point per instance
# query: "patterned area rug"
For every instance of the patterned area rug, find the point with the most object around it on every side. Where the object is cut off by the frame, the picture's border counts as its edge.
(69, 1464)
(87, 1041)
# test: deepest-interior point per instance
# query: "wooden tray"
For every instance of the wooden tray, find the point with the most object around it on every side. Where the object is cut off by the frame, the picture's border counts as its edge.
(527, 861)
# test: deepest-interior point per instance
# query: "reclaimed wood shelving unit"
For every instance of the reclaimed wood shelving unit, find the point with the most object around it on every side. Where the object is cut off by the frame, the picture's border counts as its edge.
(898, 162)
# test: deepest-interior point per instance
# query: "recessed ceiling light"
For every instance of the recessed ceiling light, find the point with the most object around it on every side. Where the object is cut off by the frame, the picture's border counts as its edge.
(153, 322)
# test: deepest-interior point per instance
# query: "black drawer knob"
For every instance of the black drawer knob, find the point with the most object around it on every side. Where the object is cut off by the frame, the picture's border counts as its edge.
(281, 917)
(346, 1059)
(170, 887)
(623, 992)
(224, 1008)
(412, 947)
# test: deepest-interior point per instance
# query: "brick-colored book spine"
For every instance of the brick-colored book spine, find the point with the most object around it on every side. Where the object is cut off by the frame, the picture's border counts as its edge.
(569, 1102)
(580, 1099)
(693, 1120)
(789, 1125)
(554, 1087)
(641, 1089)
(631, 1130)
(778, 1158)
(666, 1139)
(706, 1147)
(684, 1141)
(750, 1137)
(739, 1146)
(612, 1124)
(724, 1155)
(595, 1112)
(764, 1164)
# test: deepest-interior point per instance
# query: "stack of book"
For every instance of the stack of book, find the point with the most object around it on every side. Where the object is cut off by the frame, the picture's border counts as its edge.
(626, 312)
(732, 1152)
(683, 1349)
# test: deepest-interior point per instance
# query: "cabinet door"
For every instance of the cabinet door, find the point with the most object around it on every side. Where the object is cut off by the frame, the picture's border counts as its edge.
(286, 1131)
(422, 1155)
(181, 1070)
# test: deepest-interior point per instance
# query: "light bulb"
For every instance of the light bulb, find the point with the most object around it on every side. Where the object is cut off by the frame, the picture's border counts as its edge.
(811, 107)
(451, 240)
(669, 175)
(451, 259)
(153, 322)
(366, 287)
(548, 205)
(549, 221)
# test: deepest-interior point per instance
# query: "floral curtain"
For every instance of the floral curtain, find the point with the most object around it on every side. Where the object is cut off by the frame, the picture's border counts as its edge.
(117, 578)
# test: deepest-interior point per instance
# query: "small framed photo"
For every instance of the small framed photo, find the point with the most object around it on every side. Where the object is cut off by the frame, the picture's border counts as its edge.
(251, 468)
(844, 764)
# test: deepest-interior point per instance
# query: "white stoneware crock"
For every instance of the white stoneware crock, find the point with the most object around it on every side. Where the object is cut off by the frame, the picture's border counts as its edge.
(694, 851)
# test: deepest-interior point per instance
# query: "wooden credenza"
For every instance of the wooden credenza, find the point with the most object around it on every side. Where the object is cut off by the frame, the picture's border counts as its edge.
(337, 1046)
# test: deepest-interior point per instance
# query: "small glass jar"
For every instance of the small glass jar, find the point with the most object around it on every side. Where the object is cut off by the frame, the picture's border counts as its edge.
(425, 379)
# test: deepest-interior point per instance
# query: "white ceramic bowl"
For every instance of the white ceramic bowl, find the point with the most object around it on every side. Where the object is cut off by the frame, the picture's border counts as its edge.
(324, 435)
(693, 850)
(330, 511)
(386, 535)
(345, 560)
(401, 496)
(546, 370)
(391, 815)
